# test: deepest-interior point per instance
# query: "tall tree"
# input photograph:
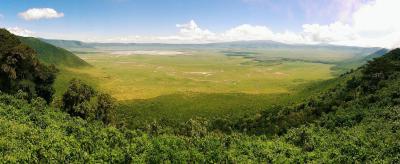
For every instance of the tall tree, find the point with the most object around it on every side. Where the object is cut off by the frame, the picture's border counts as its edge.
(83, 101)
(105, 108)
(76, 100)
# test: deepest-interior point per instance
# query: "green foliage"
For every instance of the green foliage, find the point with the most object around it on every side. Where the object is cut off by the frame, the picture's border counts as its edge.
(77, 99)
(50, 54)
(83, 101)
(47, 135)
(195, 127)
(105, 108)
(45, 78)
(21, 70)
(380, 69)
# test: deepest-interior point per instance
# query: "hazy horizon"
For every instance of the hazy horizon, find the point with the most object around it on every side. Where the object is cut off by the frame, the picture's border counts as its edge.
(365, 23)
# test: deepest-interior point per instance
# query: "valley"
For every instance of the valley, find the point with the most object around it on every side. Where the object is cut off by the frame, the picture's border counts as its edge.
(175, 105)
(166, 82)
(147, 76)
(200, 81)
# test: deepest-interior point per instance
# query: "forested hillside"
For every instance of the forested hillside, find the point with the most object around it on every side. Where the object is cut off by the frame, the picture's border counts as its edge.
(50, 54)
(355, 121)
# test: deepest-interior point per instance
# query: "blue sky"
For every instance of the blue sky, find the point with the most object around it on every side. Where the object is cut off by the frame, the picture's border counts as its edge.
(160, 16)
(148, 19)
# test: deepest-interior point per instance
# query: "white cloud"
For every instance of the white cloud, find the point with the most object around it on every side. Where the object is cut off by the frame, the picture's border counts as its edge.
(20, 31)
(40, 13)
(248, 32)
(378, 16)
(191, 31)
(1, 16)
(368, 23)
(329, 33)
(372, 23)
(291, 37)
(347, 8)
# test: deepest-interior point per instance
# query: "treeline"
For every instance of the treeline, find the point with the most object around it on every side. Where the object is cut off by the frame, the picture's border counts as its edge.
(357, 121)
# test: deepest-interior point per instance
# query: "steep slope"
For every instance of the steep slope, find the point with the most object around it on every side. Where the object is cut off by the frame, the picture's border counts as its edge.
(347, 65)
(375, 84)
(53, 55)
(377, 54)
(21, 70)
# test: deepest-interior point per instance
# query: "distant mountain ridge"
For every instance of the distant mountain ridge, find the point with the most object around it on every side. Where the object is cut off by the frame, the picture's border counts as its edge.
(67, 43)
(256, 44)
(358, 61)
(378, 53)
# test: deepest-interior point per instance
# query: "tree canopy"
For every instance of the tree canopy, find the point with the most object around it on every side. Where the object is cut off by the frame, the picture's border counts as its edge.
(83, 101)
(21, 70)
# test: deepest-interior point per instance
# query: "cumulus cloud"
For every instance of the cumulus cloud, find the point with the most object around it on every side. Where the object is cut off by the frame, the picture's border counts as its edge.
(329, 33)
(191, 31)
(359, 23)
(20, 31)
(248, 32)
(371, 23)
(378, 16)
(40, 13)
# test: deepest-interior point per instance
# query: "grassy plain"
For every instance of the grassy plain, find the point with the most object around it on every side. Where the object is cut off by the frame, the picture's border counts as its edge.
(147, 76)
(198, 83)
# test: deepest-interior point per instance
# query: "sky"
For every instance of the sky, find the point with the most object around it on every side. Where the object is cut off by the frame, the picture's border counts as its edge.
(342, 22)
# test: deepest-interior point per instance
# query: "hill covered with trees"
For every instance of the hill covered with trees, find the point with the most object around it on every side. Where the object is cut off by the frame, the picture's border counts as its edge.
(355, 121)
(50, 54)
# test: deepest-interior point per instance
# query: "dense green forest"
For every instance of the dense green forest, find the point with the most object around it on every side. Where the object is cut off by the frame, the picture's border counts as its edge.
(357, 120)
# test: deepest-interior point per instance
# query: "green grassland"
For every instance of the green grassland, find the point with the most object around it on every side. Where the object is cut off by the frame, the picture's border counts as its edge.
(199, 83)
(149, 76)
(315, 55)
